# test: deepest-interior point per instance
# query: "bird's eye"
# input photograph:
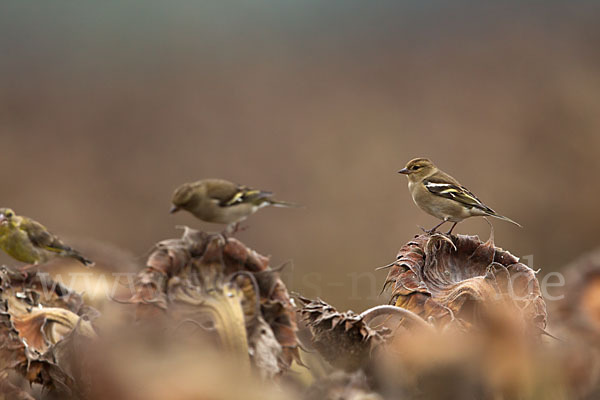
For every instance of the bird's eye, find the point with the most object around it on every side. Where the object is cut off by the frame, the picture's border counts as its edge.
(8, 214)
(415, 167)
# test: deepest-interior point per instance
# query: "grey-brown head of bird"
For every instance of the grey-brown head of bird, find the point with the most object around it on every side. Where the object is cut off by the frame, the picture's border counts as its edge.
(418, 169)
(182, 197)
(6, 215)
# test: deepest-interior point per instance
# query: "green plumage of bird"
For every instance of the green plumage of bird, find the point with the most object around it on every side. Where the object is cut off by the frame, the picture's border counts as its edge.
(222, 202)
(442, 196)
(30, 242)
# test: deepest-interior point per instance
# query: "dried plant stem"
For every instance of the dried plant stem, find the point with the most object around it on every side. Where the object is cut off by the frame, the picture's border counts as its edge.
(374, 312)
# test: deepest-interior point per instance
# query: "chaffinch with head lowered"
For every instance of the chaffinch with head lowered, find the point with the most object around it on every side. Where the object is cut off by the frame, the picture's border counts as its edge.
(222, 202)
(442, 196)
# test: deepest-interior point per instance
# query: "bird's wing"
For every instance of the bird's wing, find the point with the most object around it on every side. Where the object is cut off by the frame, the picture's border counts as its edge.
(454, 191)
(40, 236)
(229, 194)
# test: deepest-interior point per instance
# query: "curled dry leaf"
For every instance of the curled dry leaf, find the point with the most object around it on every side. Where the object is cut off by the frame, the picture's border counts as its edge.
(37, 317)
(458, 279)
(44, 327)
(226, 288)
(345, 340)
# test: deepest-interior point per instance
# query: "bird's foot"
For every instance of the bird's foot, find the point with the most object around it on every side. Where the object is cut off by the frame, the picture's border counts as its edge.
(25, 269)
(224, 235)
(434, 229)
(428, 231)
(229, 231)
(234, 228)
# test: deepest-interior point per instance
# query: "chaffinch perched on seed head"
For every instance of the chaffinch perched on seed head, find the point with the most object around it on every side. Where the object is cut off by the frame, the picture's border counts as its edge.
(442, 196)
(29, 241)
(222, 202)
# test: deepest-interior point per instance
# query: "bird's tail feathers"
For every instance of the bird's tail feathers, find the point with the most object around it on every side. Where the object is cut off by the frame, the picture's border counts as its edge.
(502, 217)
(82, 259)
(279, 203)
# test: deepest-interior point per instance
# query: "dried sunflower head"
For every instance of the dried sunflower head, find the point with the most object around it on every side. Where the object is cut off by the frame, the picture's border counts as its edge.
(39, 321)
(462, 280)
(226, 288)
(345, 340)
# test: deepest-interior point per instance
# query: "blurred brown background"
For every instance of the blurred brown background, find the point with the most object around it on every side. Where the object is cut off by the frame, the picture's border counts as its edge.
(105, 108)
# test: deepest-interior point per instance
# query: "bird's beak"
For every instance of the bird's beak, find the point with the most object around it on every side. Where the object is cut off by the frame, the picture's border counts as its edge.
(174, 209)
(3, 220)
(404, 171)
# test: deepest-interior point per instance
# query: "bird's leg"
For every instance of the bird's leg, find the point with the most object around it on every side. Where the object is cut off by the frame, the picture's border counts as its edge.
(225, 234)
(432, 230)
(241, 228)
(229, 230)
(27, 267)
(232, 229)
(450, 231)
(24, 269)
